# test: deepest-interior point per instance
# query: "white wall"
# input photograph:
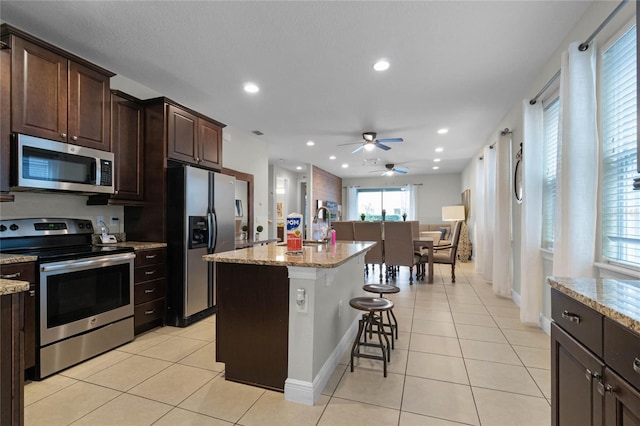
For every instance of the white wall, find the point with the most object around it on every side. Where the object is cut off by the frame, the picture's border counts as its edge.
(433, 192)
(592, 18)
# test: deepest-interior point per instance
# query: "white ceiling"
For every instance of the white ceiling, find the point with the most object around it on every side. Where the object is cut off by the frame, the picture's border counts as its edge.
(454, 64)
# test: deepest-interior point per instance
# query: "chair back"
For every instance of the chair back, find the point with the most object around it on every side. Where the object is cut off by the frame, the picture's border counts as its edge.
(398, 243)
(415, 229)
(344, 231)
(370, 231)
(450, 255)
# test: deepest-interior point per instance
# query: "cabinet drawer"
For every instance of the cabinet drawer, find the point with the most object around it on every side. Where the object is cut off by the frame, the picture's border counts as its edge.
(19, 271)
(148, 273)
(577, 319)
(149, 311)
(150, 257)
(148, 291)
(622, 351)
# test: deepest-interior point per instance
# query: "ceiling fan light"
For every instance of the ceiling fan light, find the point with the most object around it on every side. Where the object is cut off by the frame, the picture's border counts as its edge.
(369, 146)
(389, 173)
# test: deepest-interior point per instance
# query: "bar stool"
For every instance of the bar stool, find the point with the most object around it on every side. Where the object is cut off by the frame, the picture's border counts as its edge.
(374, 307)
(383, 289)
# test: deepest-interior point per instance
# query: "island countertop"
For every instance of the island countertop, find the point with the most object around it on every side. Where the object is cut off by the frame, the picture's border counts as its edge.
(618, 300)
(312, 256)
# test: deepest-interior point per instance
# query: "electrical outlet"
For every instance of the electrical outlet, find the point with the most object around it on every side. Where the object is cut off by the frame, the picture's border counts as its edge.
(114, 221)
(100, 221)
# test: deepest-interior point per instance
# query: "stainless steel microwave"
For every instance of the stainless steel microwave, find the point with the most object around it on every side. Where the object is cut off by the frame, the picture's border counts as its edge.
(49, 165)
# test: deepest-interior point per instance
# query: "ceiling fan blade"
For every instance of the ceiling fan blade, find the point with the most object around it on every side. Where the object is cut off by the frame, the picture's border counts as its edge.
(350, 143)
(390, 140)
(379, 145)
(400, 170)
(357, 149)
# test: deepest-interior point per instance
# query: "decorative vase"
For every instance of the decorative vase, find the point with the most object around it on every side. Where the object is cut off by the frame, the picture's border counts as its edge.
(404, 217)
(362, 217)
(384, 214)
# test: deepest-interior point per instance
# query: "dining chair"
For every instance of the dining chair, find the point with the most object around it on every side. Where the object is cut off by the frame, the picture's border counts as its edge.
(399, 249)
(344, 231)
(371, 231)
(415, 229)
(445, 254)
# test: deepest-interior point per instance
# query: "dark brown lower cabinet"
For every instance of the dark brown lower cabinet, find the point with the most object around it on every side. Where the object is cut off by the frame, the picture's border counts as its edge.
(12, 365)
(595, 367)
(149, 289)
(252, 323)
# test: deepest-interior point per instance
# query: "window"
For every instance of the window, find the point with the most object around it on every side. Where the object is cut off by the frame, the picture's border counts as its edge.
(550, 118)
(395, 202)
(620, 204)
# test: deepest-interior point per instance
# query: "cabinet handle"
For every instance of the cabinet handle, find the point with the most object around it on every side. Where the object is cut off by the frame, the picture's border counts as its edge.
(149, 312)
(150, 256)
(602, 388)
(571, 317)
(149, 290)
(63, 135)
(32, 293)
(75, 138)
(10, 276)
(591, 375)
(636, 365)
(150, 272)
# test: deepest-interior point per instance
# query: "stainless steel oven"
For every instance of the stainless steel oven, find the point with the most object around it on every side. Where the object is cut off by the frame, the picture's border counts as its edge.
(84, 293)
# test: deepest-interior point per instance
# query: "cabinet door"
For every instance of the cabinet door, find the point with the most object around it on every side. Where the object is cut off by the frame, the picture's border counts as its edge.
(5, 118)
(181, 135)
(128, 147)
(575, 374)
(30, 327)
(622, 401)
(89, 112)
(210, 144)
(38, 91)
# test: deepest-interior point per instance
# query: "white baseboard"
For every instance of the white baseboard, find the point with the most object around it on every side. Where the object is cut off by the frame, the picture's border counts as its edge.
(309, 392)
(545, 324)
(515, 297)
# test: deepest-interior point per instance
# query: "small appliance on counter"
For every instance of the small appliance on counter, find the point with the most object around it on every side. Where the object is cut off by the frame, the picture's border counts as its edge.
(107, 238)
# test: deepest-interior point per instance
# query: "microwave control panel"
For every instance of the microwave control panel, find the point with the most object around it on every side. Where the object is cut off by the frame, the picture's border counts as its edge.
(106, 173)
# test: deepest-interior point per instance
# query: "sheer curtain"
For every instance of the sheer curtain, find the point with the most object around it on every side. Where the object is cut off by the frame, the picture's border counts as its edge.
(531, 258)
(577, 170)
(413, 201)
(502, 217)
(479, 206)
(352, 203)
(489, 178)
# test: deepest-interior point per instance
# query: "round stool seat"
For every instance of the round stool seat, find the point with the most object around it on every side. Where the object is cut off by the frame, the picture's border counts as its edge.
(371, 304)
(381, 288)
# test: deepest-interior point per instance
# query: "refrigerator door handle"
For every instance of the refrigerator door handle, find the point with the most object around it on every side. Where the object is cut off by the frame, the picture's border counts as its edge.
(214, 234)
(210, 226)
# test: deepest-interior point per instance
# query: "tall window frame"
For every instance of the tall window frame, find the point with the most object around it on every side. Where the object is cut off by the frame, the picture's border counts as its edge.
(550, 133)
(620, 218)
(396, 202)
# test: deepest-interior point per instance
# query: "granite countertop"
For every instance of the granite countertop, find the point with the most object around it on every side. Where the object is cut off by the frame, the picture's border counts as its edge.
(12, 286)
(618, 300)
(136, 245)
(312, 256)
(6, 259)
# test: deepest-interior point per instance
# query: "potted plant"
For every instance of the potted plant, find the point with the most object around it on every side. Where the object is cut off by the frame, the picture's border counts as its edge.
(243, 235)
(362, 216)
(384, 214)
(259, 228)
(404, 217)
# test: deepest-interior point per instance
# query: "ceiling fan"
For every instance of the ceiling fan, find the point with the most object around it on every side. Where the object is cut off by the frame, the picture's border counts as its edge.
(391, 169)
(370, 142)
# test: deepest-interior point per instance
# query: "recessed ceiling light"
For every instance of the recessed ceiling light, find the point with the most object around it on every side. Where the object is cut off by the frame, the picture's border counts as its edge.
(332, 157)
(251, 88)
(439, 149)
(310, 143)
(443, 131)
(381, 65)
(435, 167)
(436, 160)
(298, 167)
(345, 165)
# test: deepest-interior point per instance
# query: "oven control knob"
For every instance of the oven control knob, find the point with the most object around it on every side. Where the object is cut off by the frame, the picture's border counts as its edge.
(14, 227)
(3, 228)
(81, 225)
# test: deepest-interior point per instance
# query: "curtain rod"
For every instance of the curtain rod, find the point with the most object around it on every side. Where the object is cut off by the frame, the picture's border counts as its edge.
(584, 46)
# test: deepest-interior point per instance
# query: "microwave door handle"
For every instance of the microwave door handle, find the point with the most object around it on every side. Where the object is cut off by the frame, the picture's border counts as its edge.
(96, 171)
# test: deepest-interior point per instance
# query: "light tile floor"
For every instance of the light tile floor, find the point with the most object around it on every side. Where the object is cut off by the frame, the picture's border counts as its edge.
(462, 357)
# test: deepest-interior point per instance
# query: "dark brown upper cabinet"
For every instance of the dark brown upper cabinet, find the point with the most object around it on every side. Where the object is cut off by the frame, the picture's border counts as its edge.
(193, 139)
(127, 143)
(56, 95)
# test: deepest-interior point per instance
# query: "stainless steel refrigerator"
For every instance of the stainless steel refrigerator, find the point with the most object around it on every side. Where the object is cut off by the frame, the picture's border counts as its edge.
(201, 220)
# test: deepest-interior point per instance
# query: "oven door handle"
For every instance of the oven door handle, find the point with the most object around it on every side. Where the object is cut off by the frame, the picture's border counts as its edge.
(104, 261)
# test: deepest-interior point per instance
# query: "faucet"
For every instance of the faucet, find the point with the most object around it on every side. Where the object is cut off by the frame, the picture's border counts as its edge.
(328, 220)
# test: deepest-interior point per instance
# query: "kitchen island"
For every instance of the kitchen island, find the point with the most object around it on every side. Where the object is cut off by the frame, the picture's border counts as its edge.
(283, 320)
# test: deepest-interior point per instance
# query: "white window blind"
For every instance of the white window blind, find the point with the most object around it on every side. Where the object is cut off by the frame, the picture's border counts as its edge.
(550, 118)
(620, 204)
